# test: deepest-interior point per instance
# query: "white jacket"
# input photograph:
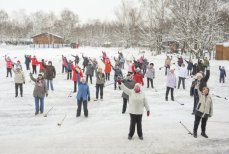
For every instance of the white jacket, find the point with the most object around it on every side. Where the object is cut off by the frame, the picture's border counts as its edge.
(137, 101)
(183, 71)
(19, 76)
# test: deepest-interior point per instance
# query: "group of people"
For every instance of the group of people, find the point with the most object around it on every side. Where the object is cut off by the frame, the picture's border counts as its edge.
(131, 84)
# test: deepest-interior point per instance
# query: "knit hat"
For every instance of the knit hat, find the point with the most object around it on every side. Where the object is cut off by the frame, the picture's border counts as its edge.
(18, 61)
(50, 62)
(41, 74)
(199, 75)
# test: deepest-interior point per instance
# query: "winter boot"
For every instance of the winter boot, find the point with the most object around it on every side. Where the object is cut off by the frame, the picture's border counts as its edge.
(172, 98)
(129, 137)
(166, 98)
(195, 134)
(21, 95)
(141, 138)
(16, 95)
(36, 113)
(96, 99)
(101, 99)
(41, 112)
(204, 135)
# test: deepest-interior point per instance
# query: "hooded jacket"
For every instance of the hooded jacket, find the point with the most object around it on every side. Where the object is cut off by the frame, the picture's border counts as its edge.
(89, 70)
(19, 76)
(85, 60)
(83, 90)
(39, 92)
(189, 67)
(50, 72)
(137, 101)
(74, 78)
(150, 72)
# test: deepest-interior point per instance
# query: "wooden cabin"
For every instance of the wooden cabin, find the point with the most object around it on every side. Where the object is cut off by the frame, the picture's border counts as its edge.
(222, 51)
(47, 38)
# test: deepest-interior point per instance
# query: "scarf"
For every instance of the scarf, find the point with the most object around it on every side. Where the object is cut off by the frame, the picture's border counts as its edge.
(136, 90)
(40, 83)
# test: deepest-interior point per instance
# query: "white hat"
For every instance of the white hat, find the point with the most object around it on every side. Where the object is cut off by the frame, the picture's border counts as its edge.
(83, 78)
(199, 75)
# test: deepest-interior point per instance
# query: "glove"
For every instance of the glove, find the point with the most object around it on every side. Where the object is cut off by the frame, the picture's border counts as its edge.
(119, 81)
(46, 95)
(148, 113)
(89, 99)
(24, 82)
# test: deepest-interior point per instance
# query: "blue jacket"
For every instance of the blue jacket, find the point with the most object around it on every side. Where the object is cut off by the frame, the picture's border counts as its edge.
(83, 90)
(118, 72)
(189, 65)
(222, 72)
(27, 60)
(68, 65)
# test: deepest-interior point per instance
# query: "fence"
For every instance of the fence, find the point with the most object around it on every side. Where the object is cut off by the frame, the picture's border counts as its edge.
(49, 45)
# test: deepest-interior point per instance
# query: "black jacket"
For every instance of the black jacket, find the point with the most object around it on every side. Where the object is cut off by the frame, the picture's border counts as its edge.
(195, 69)
(85, 61)
(200, 66)
(27, 60)
(203, 83)
(76, 58)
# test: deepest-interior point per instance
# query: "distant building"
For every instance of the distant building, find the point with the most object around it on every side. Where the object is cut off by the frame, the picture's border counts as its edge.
(107, 44)
(222, 51)
(47, 38)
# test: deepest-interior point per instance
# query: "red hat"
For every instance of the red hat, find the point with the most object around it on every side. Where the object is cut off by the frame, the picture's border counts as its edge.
(18, 61)
(34, 56)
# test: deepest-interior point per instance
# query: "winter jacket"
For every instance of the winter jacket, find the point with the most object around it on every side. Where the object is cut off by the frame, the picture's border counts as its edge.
(141, 60)
(8, 63)
(205, 106)
(77, 59)
(195, 69)
(89, 70)
(122, 60)
(107, 66)
(222, 72)
(189, 67)
(150, 73)
(100, 77)
(137, 101)
(138, 79)
(41, 67)
(19, 76)
(68, 65)
(27, 60)
(50, 72)
(39, 92)
(85, 61)
(206, 62)
(145, 63)
(94, 63)
(203, 83)
(18, 65)
(104, 55)
(171, 79)
(180, 61)
(137, 64)
(117, 62)
(130, 85)
(117, 72)
(83, 90)
(64, 61)
(183, 72)
(168, 62)
(120, 55)
(74, 73)
(129, 67)
(34, 60)
(200, 66)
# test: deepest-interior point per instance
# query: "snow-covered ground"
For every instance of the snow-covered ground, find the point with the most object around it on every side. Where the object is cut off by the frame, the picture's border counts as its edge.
(106, 128)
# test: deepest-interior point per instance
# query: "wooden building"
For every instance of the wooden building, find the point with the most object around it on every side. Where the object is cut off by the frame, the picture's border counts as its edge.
(47, 38)
(222, 51)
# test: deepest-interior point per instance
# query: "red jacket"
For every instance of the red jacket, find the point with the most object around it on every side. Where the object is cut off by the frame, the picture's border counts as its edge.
(9, 63)
(34, 60)
(138, 79)
(41, 67)
(64, 63)
(74, 78)
(107, 66)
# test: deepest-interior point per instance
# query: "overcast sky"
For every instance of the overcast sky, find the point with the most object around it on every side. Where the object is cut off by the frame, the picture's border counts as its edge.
(86, 9)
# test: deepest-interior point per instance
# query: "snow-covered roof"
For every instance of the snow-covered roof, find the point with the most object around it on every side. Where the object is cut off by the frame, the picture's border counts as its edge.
(225, 44)
(48, 33)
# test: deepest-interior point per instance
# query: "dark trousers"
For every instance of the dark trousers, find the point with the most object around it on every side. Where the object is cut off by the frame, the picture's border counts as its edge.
(99, 87)
(34, 69)
(16, 88)
(75, 86)
(107, 76)
(221, 79)
(27, 66)
(8, 70)
(76, 62)
(64, 69)
(196, 100)
(79, 103)
(124, 105)
(90, 78)
(183, 82)
(144, 69)
(149, 80)
(165, 70)
(69, 76)
(203, 123)
(115, 84)
(167, 92)
(135, 119)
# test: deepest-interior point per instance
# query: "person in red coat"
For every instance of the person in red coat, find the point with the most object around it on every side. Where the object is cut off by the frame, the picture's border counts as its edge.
(64, 64)
(138, 76)
(42, 69)
(34, 64)
(74, 78)
(107, 68)
(8, 66)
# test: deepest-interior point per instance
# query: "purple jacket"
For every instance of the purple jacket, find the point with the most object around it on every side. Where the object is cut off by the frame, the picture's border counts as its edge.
(171, 79)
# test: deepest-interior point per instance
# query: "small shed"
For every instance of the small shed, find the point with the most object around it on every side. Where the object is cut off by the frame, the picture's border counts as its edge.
(222, 51)
(107, 44)
(47, 38)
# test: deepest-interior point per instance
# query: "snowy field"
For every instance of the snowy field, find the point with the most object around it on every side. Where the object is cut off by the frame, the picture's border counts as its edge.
(105, 130)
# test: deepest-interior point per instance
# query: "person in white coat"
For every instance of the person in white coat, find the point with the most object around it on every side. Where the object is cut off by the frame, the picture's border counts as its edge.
(183, 72)
(137, 102)
(19, 79)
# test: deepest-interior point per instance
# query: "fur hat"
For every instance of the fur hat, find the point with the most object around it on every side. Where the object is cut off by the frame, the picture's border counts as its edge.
(199, 75)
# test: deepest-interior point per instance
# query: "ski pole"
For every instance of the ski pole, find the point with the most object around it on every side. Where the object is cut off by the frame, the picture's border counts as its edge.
(218, 121)
(70, 94)
(219, 96)
(186, 128)
(59, 124)
(179, 103)
(47, 112)
(161, 68)
(110, 84)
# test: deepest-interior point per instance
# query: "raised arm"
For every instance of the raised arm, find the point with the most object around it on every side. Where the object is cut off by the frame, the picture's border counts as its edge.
(113, 67)
(44, 65)
(125, 89)
(73, 56)
(78, 78)
(207, 76)
(32, 78)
